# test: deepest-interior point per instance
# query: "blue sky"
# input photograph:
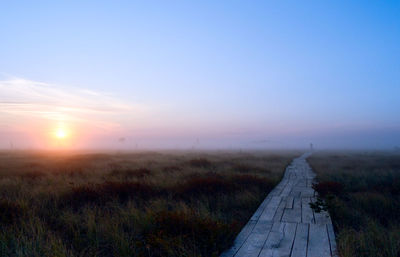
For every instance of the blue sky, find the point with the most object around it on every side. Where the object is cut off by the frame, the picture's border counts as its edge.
(230, 73)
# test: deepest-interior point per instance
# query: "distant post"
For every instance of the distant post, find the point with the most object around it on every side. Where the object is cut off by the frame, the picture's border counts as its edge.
(311, 147)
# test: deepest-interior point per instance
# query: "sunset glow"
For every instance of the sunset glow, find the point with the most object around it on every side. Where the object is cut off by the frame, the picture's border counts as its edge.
(61, 133)
(259, 75)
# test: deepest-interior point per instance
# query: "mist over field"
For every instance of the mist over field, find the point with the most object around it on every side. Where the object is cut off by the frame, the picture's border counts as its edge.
(199, 128)
(203, 75)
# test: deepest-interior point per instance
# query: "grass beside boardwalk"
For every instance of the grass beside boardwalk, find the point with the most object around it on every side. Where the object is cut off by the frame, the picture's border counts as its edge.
(362, 192)
(136, 204)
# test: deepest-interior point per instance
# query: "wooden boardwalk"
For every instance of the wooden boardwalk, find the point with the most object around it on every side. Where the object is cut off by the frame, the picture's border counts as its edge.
(284, 224)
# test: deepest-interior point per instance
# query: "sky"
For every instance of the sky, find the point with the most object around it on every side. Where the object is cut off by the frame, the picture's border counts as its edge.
(199, 74)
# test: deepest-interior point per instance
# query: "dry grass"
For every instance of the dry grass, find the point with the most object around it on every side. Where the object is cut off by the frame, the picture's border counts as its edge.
(130, 204)
(362, 193)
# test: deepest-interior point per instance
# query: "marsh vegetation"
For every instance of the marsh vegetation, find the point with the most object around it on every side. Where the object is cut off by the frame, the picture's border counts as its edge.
(130, 204)
(362, 194)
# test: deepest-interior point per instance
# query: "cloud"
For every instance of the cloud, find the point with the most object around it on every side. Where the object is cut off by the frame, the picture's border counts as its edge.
(31, 99)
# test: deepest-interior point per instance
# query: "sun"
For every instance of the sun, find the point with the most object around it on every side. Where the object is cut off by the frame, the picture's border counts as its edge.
(61, 136)
(61, 133)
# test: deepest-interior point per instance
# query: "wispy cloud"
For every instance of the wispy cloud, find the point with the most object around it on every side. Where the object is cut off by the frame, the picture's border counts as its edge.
(32, 99)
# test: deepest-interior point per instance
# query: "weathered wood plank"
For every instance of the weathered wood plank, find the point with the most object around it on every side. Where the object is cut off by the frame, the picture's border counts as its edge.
(300, 241)
(285, 235)
(255, 241)
(279, 211)
(274, 239)
(270, 210)
(301, 183)
(240, 239)
(307, 215)
(332, 241)
(284, 224)
(261, 208)
(293, 215)
(307, 192)
(289, 202)
(321, 217)
(318, 241)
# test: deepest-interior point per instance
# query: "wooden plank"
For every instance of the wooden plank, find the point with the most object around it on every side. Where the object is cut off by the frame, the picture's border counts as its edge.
(301, 183)
(307, 192)
(295, 192)
(254, 243)
(318, 241)
(279, 211)
(274, 239)
(307, 215)
(289, 202)
(270, 209)
(284, 224)
(282, 186)
(288, 188)
(300, 241)
(283, 248)
(240, 239)
(293, 215)
(321, 217)
(332, 240)
(310, 181)
(229, 253)
(261, 208)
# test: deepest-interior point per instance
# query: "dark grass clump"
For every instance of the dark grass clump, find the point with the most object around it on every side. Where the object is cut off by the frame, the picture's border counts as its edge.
(106, 192)
(179, 207)
(200, 163)
(172, 168)
(131, 173)
(243, 168)
(204, 235)
(10, 212)
(33, 175)
(328, 187)
(214, 184)
(361, 192)
(246, 168)
(252, 181)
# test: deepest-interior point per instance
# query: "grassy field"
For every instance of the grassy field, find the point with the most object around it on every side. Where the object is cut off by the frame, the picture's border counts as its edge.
(362, 193)
(130, 204)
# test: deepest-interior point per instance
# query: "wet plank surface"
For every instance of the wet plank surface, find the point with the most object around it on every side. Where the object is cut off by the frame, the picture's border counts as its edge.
(284, 224)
